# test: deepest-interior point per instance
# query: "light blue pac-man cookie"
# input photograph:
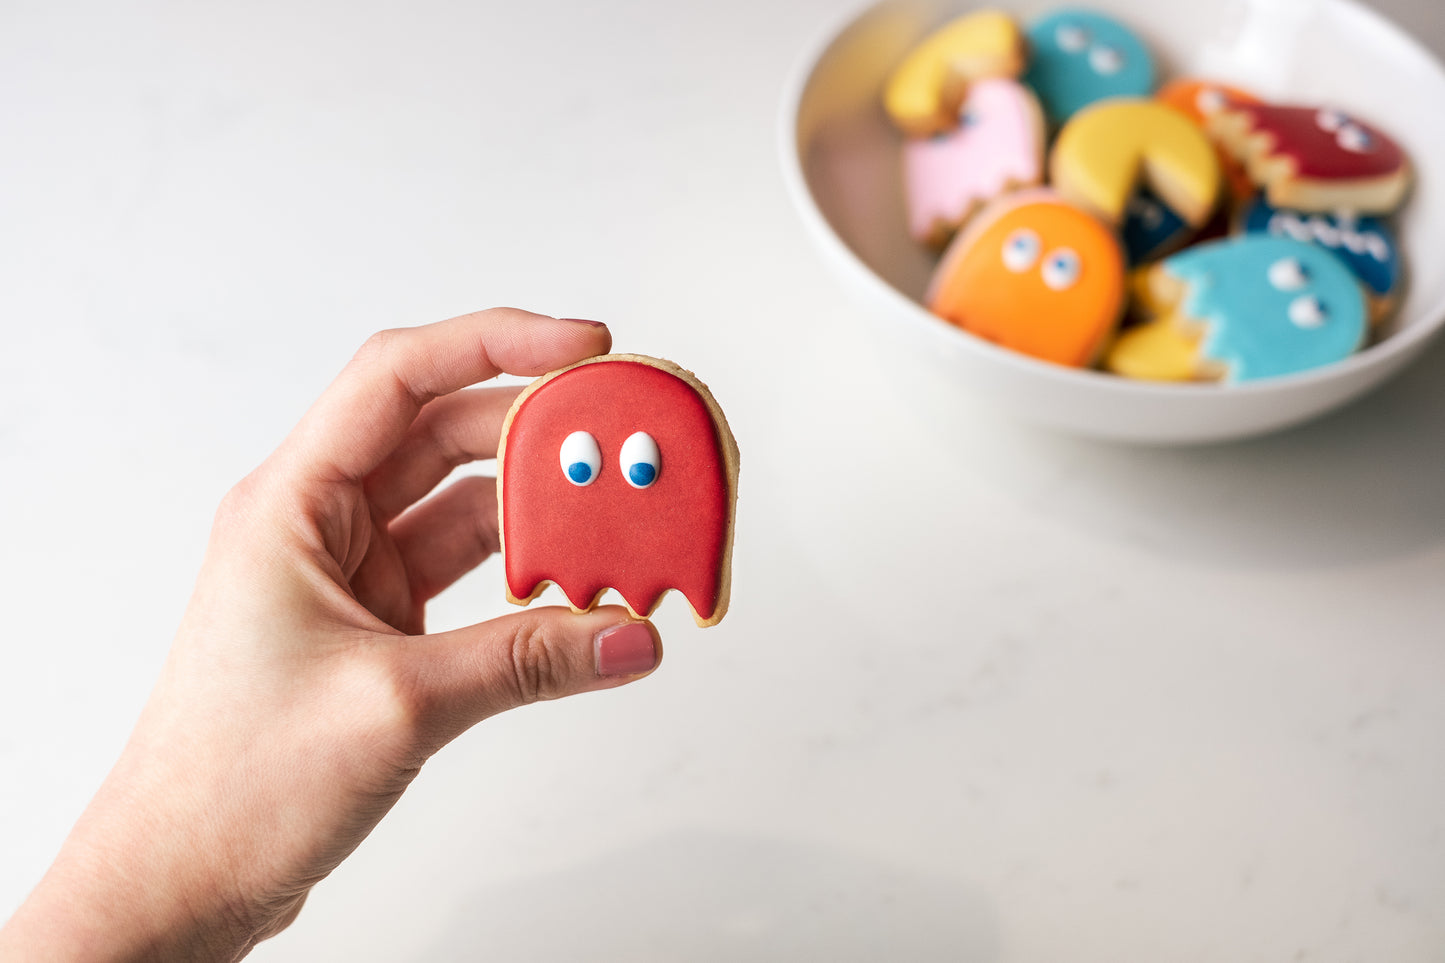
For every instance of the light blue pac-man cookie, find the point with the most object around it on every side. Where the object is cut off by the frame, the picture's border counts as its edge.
(1079, 56)
(1270, 305)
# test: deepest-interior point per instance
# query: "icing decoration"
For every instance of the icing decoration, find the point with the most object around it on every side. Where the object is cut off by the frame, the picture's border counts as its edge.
(1365, 244)
(1158, 350)
(1108, 150)
(1150, 227)
(1201, 99)
(640, 460)
(1033, 274)
(1268, 305)
(1314, 159)
(923, 92)
(581, 458)
(1079, 57)
(998, 145)
(658, 518)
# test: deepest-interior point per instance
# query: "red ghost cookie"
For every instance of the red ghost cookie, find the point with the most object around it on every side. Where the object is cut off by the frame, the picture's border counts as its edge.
(1314, 159)
(618, 472)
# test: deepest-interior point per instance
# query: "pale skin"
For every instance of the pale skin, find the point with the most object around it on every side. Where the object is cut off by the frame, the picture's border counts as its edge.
(301, 695)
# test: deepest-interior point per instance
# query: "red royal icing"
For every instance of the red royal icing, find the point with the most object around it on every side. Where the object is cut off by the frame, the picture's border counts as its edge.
(640, 542)
(1317, 150)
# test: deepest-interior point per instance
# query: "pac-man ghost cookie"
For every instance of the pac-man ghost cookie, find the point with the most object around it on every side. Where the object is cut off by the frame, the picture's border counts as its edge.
(1200, 100)
(1242, 309)
(924, 91)
(1109, 150)
(1314, 159)
(1034, 274)
(998, 145)
(1078, 57)
(619, 472)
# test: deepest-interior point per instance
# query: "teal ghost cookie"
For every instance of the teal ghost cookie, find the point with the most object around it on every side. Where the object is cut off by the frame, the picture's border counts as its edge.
(1257, 306)
(1079, 56)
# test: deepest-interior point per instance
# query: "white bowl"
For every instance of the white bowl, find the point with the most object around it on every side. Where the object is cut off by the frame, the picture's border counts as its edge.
(841, 161)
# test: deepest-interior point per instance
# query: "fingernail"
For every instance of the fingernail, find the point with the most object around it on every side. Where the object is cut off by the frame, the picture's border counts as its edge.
(595, 324)
(626, 649)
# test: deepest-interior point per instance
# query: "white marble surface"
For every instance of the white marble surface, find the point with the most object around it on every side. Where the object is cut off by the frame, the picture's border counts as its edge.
(985, 693)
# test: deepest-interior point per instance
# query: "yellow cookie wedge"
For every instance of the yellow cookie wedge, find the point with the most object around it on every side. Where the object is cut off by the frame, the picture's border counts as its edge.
(1105, 152)
(923, 93)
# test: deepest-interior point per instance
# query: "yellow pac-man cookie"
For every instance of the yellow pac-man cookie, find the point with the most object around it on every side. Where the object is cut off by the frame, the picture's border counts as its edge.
(1108, 149)
(924, 91)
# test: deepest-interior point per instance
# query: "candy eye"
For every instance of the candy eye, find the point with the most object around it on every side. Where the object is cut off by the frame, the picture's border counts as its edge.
(1071, 38)
(581, 458)
(1209, 100)
(1061, 269)
(1353, 138)
(1306, 311)
(1021, 250)
(640, 459)
(1106, 60)
(1331, 120)
(968, 117)
(1288, 274)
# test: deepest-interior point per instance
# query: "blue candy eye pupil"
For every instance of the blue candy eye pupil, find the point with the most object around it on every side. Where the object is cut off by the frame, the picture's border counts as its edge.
(579, 472)
(642, 474)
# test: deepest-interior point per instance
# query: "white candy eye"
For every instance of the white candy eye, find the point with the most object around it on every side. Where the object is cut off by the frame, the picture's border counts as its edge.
(1106, 60)
(1353, 138)
(1071, 38)
(1331, 120)
(640, 460)
(1021, 250)
(1061, 268)
(1306, 311)
(581, 458)
(1209, 100)
(1288, 274)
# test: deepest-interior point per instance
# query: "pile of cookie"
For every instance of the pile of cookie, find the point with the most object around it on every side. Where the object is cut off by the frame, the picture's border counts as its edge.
(1189, 233)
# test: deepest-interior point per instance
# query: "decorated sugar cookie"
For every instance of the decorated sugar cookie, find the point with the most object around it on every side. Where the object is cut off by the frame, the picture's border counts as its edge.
(1314, 159)
(1110, 149)
(998, 145)
(1150, 228)
(1366, 245)
(1201, 99)
(1242, 309)
(924, 92)
(618, 472)
(1034, 274)
(1079, 57)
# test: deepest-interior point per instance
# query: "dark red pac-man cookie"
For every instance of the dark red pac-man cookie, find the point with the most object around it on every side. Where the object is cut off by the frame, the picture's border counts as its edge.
(618, 472)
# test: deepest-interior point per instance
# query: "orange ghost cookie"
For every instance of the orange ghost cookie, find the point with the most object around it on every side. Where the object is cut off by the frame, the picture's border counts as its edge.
(1034, 274)
(1108, 150)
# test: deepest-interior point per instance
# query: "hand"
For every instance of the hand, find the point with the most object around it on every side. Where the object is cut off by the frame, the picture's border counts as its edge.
(300, 696)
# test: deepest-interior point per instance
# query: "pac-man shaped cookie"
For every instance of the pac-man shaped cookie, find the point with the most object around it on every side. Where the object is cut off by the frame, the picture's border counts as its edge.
(998, 145)
(923, 93)
(1366, 245)
(1108, 150)
(1034, 274)
(619, 472)
(1078, 57)
(1314, 159)
(1242, 309)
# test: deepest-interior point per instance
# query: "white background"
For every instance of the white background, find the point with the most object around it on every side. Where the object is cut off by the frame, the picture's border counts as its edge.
(985, 693)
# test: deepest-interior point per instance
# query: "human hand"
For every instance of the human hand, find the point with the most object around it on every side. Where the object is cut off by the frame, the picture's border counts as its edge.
(301, 695)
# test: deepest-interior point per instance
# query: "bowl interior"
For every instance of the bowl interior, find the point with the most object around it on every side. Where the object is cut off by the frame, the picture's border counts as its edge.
(846, 155)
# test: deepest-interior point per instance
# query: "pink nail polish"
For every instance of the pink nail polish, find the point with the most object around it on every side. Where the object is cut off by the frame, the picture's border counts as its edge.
(626, 649)
(595, 324)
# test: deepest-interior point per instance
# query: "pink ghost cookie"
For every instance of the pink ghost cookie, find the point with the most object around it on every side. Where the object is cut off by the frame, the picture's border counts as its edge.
(998, 145)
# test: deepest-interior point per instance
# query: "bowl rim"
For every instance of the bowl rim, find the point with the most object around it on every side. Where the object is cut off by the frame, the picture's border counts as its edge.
(1394, 349)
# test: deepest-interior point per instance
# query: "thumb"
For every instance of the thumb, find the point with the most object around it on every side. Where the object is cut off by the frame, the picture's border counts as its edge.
(469, 674)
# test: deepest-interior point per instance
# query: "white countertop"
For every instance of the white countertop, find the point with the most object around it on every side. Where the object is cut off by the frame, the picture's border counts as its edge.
(985, 693)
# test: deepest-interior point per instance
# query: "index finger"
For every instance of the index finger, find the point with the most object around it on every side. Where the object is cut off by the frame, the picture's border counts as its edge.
(366, 411)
